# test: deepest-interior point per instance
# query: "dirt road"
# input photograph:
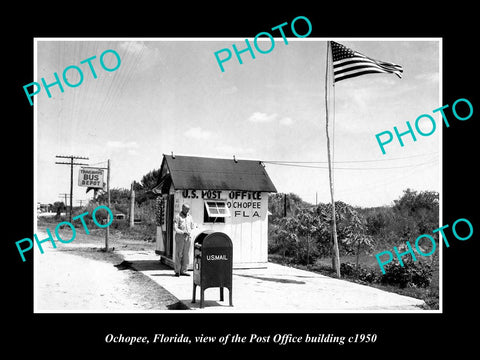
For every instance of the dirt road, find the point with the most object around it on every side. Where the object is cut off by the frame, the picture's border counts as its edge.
(79, 277)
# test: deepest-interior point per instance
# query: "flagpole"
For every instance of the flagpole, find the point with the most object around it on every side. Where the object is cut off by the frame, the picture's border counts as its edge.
(336, 257)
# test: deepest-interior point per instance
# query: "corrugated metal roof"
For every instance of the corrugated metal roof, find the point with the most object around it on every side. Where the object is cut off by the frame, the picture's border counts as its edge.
(201, 173)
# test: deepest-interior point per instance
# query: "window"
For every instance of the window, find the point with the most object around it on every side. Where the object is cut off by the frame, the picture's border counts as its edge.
(215, 211)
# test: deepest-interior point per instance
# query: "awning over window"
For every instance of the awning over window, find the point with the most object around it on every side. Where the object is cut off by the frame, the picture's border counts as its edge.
(217, 208)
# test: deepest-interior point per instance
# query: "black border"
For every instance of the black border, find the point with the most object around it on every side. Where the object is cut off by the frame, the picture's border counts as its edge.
(407, 334)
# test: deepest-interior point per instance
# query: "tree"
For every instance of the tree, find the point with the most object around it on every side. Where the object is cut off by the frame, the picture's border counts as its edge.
(285, 238)
(418, 211)
(144, 187)
(412, 201)
(342, 213)
(304, 230)
(377, 219)
(117, 196)
(276, 205)
(58, 207)
(309, 231)
(308, 227)
(357, 235)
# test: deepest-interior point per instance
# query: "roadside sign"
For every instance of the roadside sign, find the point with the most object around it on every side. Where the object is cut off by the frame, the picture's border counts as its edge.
(90, 177)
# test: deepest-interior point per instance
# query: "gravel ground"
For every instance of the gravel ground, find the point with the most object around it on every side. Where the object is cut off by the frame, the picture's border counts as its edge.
(82, 277)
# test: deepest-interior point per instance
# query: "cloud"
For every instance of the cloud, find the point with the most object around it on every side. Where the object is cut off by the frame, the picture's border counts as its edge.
(259, 117)
(198, 133)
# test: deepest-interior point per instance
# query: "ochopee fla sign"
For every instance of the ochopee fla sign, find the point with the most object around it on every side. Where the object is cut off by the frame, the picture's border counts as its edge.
(90, 177)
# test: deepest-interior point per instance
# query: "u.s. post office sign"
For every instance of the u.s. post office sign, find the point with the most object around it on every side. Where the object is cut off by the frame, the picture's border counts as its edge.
(90, 177)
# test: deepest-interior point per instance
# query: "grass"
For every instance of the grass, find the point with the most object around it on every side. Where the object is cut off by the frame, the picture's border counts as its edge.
(141, 236)
(119, 229)
(324, 266)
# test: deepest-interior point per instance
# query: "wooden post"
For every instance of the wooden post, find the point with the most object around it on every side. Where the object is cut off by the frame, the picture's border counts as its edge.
(71, 188)
(107, 233)
(132, 206)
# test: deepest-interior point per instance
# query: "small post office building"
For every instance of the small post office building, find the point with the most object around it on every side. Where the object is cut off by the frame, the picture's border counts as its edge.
(226, 195)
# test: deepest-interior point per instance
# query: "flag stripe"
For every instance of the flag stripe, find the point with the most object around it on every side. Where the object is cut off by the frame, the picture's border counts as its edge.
(366, 62)
(363, 72)
(348, 63)
(353, 68)
(357, 64)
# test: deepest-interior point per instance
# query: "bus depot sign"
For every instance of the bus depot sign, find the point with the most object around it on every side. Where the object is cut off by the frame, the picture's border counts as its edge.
(90, 177)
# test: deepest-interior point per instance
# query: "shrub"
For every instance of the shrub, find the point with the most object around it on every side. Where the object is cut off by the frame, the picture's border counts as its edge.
(413, 273)
(347, 269)
(362, 273)
(306, 251)
(147, 211)
(368, 275)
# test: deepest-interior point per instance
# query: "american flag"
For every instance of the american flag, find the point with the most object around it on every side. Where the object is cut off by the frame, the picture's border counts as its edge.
(348, 63)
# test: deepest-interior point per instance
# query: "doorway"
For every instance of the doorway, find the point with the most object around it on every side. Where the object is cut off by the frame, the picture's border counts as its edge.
(169, 227)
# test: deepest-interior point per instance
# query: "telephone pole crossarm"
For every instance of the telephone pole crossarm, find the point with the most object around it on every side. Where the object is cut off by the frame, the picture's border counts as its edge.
(72, 157)
(71, 163)
(67, 163)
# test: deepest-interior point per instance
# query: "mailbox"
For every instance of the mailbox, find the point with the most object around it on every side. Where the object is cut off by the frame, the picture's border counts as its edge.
(212, 263)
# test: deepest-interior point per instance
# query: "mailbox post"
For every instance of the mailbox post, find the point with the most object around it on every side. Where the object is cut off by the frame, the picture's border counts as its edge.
(212, 263)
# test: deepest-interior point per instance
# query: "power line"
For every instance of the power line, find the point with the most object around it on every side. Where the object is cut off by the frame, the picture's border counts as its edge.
(359, 189)
(351, 168)
(344, 162)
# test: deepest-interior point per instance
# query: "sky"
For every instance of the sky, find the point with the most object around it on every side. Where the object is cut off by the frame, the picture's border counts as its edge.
(169, 95)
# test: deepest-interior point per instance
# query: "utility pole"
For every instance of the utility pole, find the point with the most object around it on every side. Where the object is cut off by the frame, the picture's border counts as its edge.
(132, 206)
(64, 195)
(107, 230)
(71, 163)
(108, 197)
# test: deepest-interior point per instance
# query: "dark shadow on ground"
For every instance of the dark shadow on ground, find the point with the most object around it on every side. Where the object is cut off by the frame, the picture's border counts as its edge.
(167, 275)
(178, 306)
(142, 265)
(206, 303)
(284, 281)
